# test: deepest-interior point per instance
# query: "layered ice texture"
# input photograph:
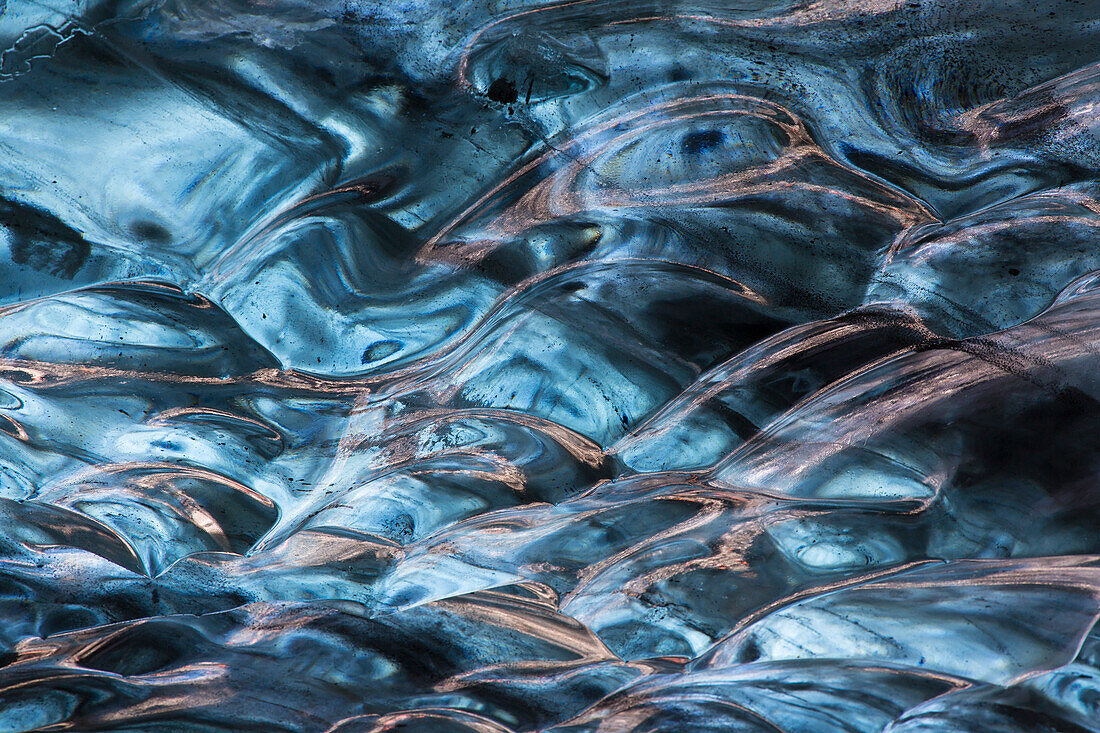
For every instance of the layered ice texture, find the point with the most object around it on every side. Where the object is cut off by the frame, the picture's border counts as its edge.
(487, 366)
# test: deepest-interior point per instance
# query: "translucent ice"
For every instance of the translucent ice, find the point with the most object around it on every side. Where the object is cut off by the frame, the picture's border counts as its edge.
(498, 366)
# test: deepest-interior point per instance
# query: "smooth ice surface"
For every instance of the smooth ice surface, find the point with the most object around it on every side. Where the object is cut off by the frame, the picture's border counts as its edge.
(485, 366)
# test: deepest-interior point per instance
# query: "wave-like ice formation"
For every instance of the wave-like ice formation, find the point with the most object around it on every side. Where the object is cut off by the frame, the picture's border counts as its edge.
(487, 366)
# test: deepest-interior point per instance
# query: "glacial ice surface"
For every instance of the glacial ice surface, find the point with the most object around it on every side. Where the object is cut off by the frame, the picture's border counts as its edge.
(583, 366)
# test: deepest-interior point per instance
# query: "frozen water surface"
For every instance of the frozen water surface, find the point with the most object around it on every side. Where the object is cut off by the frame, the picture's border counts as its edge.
(497, 366)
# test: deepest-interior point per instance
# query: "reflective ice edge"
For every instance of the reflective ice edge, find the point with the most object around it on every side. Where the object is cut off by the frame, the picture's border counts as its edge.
(589, 366)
